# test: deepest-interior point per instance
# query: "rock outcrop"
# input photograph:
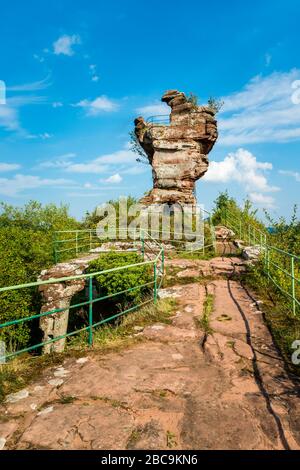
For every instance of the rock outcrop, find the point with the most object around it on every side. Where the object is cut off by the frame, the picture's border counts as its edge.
(57, 296)
(177, 151)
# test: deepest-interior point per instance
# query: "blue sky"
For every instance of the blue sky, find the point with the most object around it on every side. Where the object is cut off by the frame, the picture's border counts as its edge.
(77, 73)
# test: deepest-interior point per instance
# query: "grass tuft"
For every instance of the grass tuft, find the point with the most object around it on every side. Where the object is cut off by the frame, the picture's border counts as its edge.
(204, 321)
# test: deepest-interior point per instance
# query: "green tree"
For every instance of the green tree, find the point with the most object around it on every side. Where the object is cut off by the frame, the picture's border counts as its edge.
(26, 235)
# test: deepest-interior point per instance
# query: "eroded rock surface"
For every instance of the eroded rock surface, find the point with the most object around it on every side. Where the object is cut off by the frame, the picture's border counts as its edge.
(58, 295)
(177, 152)
(178, 387)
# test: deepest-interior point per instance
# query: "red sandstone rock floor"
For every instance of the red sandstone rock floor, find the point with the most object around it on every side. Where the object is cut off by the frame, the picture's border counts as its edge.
(179, 388)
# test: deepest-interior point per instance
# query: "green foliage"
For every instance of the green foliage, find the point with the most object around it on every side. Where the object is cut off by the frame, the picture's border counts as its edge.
(122, 280)
(284, 325)
(270, 277)
(91, 219)
(136, 148)
(193, 99)
(215, 104)
(226, 206)
(26, 249)
(285, 234)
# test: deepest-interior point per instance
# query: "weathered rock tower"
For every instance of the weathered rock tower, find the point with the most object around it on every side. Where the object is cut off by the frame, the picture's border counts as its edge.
(177, 151)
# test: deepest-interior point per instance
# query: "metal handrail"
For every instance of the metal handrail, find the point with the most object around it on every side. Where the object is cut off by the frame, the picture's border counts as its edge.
(157, 273)
(254, 235)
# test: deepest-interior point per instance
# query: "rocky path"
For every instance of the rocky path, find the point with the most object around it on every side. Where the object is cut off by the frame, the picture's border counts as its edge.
(181, 387)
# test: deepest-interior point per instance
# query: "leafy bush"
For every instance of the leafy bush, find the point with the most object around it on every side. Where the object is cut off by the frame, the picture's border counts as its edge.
(110, 283)
(26, 248)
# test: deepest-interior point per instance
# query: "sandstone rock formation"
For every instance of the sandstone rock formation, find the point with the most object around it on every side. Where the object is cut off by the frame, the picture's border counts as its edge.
(58, 295)
(177, 151)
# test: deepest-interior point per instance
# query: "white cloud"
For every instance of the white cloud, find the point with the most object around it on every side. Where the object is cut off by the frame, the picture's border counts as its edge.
(241, 167)
(64, 44)
(137, 169)
(9, 118)
(57, 104)
(39, 58)
(89, 167)
(60, 162)
(262, 199)
(262, 112)
(115, 179)
(293, 174)
(9, 166)
(124, 156)
(45, 136)
(9, 113)
(97, 106)
(156, 108)
(32, 86)
(103, 163)
(93, 72)
(268, 59)
(19, 183)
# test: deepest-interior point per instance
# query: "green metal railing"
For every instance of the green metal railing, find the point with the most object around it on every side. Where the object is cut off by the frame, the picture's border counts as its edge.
(281, 267)
(69, 244)
(159, 120)
(157, 264)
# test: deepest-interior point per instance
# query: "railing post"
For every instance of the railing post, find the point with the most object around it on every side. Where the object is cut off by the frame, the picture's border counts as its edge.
(55, 257)
(163, 261)
(240, 229)
(90, 240)
(143, 243)
(261, 244)
(91, 311)
(155, 283)
(293, 284)
(268, 261)
(76, 243)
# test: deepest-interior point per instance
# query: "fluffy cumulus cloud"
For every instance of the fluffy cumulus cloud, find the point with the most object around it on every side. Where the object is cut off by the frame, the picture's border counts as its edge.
(97, 106)
(19, 183)
(114, 179)
(65, 44)
(153, 109)
(262, 199)
(265, 110)
(242, 167)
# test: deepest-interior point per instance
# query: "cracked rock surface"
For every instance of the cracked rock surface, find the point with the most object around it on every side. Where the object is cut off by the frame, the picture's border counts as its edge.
(179, 387)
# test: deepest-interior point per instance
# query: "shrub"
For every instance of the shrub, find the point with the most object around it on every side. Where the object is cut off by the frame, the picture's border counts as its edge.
(110, 283)
(26, 249)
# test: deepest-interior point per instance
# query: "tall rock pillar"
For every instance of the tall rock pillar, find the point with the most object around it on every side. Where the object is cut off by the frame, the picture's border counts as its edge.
(178, 150)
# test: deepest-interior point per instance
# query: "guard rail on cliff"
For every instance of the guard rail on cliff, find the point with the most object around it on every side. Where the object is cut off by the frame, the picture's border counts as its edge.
(157, 265)
(281, 267)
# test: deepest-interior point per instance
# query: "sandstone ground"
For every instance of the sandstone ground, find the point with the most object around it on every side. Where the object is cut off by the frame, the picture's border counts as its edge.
(212, 379)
